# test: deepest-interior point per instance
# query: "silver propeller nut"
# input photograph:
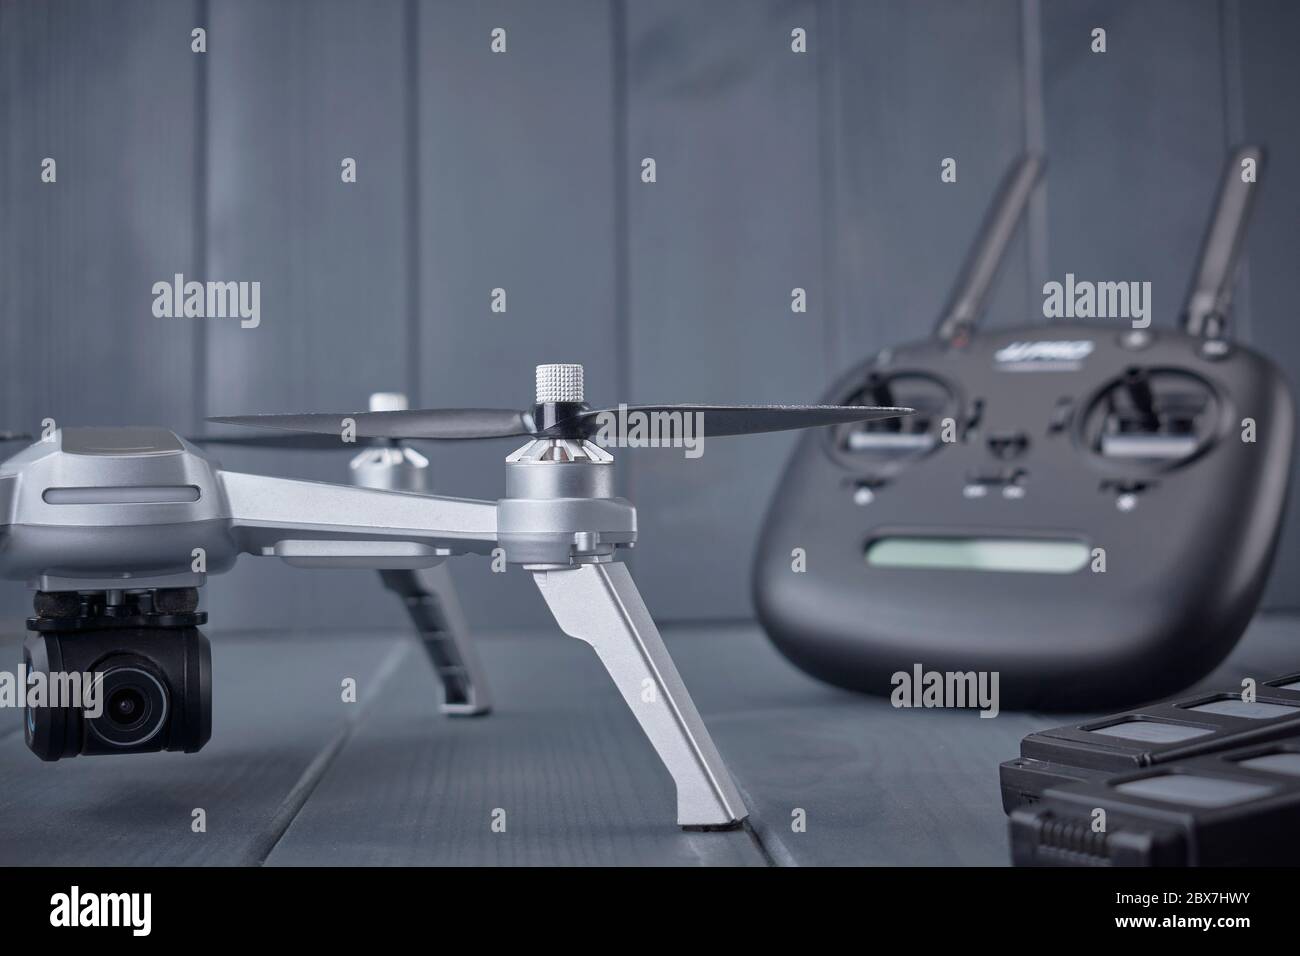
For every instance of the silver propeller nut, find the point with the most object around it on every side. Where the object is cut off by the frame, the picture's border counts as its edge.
(559, 383)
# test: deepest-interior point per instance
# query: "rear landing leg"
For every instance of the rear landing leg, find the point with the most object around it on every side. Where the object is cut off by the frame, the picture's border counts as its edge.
(435, 611)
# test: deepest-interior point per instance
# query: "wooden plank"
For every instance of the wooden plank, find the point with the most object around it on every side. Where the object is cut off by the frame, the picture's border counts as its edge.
(108, 92)
(277, 707)
(733, 223)
(109, 95)
(561, 755)
(878, 786)
(1135, 140)
(915, 84)
(294, 88)
(295, 776)
(881, 786)
(515, 186)
(1270, 86)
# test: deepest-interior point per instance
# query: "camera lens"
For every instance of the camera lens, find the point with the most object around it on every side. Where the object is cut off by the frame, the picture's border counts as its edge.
(127, 707)
(134, 707)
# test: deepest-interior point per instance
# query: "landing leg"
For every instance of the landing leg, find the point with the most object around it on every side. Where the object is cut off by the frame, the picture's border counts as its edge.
(600, 604)
(435, 611)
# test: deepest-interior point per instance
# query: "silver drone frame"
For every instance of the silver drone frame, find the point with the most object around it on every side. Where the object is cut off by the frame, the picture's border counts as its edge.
(105, 509)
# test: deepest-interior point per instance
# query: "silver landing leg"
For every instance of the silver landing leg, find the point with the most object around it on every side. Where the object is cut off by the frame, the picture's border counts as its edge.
(600, 604)
(435, 611)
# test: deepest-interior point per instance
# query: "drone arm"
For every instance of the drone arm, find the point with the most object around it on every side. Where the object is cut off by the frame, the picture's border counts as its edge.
(599, 604)
(435, 611)
(317, 524)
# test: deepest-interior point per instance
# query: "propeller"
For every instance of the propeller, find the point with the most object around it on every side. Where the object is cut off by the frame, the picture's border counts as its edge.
(298, 442)
(312, 441)
(560, 412)
(303, 441)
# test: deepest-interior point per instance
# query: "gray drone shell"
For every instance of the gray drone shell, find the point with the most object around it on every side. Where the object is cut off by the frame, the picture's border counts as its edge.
(111, 503)
(96, 508)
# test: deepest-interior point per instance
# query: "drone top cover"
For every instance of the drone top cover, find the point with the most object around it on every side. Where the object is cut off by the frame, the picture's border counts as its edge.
(1087, 508)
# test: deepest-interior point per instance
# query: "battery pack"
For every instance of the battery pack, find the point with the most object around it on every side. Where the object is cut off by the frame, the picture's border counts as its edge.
(1149, 736)
(1237, 807)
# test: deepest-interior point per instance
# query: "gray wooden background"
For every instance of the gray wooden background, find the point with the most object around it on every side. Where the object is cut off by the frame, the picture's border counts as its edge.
(478, 170)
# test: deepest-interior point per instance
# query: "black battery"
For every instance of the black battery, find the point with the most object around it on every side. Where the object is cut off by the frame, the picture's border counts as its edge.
(1238, 807)
(1149, 736)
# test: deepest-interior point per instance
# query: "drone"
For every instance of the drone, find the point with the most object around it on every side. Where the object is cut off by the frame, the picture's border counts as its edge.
(115, 529)
(428, 594)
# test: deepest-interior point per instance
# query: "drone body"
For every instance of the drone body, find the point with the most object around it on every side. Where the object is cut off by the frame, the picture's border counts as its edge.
(134, 516)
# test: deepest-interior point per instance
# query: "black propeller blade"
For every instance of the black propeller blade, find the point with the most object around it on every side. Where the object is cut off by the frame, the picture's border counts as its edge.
(562, 412)
(608, 423)
(718, 420)
(434, 423)
(292, 441)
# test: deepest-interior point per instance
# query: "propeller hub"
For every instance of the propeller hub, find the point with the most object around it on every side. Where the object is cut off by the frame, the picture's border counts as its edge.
(559, 384)
(389, 402)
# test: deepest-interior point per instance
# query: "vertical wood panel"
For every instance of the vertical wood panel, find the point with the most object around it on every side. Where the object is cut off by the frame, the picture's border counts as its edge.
(294, 88)
(107, 91)
(733, 224)
(920, 83)
(1270, 91)
(516, 192)
(1135, 138)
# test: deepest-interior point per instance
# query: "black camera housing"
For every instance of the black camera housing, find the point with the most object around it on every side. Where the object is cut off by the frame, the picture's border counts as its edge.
(155, 666)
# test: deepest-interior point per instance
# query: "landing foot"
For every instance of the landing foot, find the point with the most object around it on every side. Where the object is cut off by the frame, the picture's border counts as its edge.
(713, 827)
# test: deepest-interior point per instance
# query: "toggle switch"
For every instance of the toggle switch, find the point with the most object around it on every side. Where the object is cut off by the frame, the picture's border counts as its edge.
(1159, 415)
(1128, 494)
(893, 438)
(1008, 445)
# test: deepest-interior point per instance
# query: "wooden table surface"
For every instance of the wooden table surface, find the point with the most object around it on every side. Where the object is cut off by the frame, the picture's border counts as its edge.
(295, 776)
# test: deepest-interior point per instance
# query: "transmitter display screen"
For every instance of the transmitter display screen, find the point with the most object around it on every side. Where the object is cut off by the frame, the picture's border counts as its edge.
(1027, 555)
